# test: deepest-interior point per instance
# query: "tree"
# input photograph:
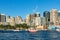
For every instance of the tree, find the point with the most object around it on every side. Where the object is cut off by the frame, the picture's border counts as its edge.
(25, 26)
(1, 26)
(8, 26)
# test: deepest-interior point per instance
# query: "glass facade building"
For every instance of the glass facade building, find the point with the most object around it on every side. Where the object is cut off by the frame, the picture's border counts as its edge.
(46, 14)
(58, 14)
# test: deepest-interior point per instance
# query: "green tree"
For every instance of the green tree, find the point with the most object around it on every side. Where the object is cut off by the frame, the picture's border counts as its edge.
(25, 26)
(7, 26)
(1, 26)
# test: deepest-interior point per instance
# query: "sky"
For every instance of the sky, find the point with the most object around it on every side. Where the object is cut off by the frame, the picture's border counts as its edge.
(23, 7)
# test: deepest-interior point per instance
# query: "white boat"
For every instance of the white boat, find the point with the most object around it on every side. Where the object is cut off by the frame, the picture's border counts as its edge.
(16, 30)
(58, 30)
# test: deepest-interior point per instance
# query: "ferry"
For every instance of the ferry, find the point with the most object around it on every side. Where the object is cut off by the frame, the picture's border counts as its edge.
(32, 30)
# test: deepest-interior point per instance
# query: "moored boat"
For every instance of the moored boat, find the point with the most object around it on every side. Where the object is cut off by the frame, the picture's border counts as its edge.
(15, 30)
(58, 30)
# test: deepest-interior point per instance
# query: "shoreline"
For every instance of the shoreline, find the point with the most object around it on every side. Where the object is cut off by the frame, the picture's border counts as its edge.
(12, 30)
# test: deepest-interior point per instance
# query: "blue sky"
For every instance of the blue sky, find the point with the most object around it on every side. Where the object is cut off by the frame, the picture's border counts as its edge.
(24, 7)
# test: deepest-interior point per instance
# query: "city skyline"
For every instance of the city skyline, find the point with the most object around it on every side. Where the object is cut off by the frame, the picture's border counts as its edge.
(24, 7)
(50, 18)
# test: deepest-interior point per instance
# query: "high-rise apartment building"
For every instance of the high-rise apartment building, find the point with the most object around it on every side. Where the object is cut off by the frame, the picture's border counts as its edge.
(43, 21)
(2, 18)
(8, 19)
(37, 19)
(46, 14)
(37, 14)
(18, 20)
(29, 19)
(58, 16)
(12, 21)
(53, 16)
(32, 19)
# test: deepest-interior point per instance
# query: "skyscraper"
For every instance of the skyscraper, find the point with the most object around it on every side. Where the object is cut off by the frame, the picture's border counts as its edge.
(37, 14)
(2, 18)
(29, 19)
(18, 19)
(33, 19)
(58, 16)
(53, 16)
(46, 14)
(43, 21)
(37, 19)
(12, 21)
(8, 19)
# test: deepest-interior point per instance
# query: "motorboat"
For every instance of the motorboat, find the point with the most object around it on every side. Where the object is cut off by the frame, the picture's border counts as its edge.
(32, 30)
(58, 30)
(16, 30)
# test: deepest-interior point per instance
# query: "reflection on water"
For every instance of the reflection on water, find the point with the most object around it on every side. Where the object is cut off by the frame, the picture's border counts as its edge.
(25, 35)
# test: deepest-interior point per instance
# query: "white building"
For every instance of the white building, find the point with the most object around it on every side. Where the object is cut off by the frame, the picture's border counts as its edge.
(10, 20)
(18, 20)
(53, 16)
(37, 21)
(43, 21)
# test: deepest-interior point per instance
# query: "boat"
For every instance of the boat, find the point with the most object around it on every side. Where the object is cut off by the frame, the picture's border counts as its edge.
(58, 30)
(16, 30)
(32, 30)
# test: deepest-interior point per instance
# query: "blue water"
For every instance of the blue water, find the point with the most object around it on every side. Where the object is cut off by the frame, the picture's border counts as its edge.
(25, 35)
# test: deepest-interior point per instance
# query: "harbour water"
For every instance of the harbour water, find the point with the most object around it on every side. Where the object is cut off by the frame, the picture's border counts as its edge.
(25, 35)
